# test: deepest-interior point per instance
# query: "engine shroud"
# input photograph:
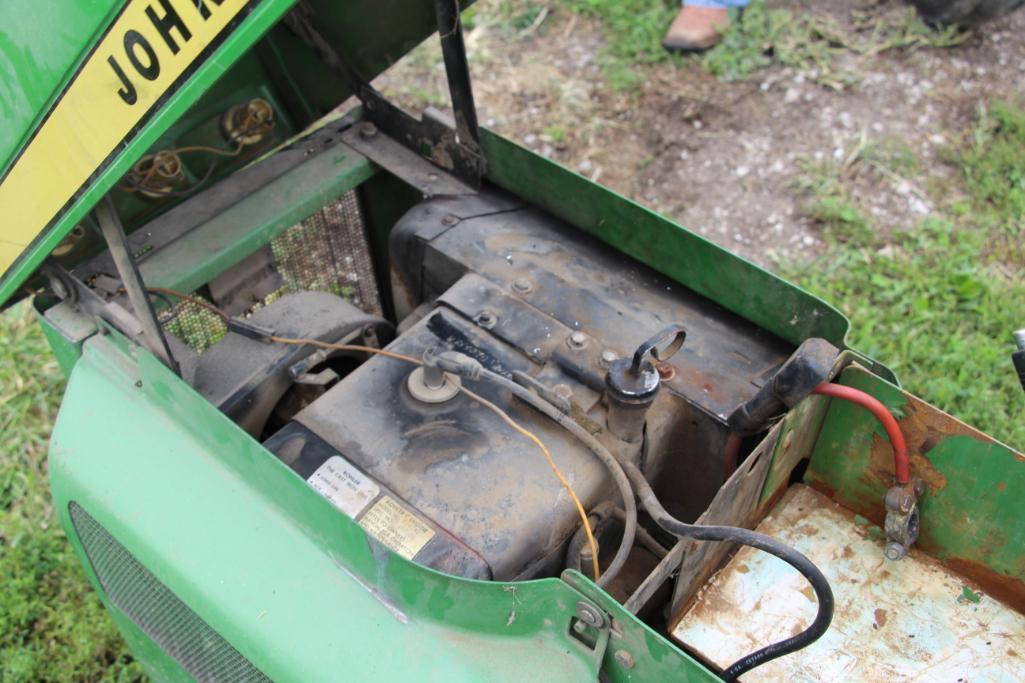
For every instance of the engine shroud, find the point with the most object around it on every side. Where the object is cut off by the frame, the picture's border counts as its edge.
(519, 290)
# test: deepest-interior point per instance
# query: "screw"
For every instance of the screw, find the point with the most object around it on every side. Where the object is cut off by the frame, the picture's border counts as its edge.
(449, 219)
(625, 659)
(665, 371)
(563, 391)
(918, 486)
(608, 357)
(895, 551)
(138, 384)
(577, 341)
(590, 615)
(523, 285)
(486, 319)
(367, 130)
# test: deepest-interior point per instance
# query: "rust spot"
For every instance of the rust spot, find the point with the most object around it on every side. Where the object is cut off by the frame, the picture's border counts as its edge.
(742, 568)
(881, 466)
(1007, 589)
(1000, 487)
(807, 530)
(847, 551)
(808, 593)
(1011, 653)
(880, 617)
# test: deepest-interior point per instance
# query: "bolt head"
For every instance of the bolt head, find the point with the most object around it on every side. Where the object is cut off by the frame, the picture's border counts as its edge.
(895, 551)
(608, 357)
(367, 129)
(624, 659)
(449, 219)
(590, 615)
(577, 340)
(486, 319)
(523, 285)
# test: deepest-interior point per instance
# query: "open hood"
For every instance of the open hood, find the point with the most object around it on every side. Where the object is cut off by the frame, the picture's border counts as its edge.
(89, 87)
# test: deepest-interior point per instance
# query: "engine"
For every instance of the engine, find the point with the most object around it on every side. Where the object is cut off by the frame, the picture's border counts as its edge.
(438, 477)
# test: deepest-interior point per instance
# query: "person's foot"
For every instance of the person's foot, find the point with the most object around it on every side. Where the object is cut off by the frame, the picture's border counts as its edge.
(696, 28)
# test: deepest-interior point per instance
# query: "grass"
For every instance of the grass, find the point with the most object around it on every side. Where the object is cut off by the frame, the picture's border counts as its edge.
(52, 625)
(936, 301)
(760, 37)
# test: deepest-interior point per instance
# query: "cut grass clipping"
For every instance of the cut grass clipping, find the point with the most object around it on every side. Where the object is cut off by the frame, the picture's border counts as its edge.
(937, 301)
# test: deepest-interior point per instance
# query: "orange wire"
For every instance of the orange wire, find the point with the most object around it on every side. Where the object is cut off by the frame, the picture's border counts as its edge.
(592, 543)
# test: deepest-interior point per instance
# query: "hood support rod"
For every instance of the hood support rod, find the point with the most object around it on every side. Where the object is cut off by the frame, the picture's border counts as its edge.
(152, 334)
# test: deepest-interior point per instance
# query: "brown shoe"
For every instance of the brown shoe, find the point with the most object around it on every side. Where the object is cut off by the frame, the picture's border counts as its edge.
(696, 28)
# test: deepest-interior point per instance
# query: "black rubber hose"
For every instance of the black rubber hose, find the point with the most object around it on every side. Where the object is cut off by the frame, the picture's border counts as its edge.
(599, 516)
(611, 463)
(620, 467)
(754, 539)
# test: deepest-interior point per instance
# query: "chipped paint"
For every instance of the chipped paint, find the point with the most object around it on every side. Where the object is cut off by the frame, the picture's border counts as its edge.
(893, 620)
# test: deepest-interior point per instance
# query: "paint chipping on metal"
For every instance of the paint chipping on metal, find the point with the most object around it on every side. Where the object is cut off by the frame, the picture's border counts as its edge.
(912, 620)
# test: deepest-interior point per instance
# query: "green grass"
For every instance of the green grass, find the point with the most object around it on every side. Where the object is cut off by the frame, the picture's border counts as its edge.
(760, 37)
(936, 301)
(52, 625)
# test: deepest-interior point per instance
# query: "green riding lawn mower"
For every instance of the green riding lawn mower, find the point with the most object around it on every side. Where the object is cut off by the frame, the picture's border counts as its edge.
(360, 395)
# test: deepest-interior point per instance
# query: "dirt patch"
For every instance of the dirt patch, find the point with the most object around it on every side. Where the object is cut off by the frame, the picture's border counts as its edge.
(724, 159)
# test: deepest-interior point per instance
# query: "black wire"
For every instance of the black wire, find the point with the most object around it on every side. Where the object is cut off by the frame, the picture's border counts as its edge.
(754, 539)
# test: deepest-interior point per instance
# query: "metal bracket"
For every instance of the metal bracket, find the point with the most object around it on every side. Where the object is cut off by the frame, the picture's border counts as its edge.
(114, 235)
(456, 150)
(591, 628)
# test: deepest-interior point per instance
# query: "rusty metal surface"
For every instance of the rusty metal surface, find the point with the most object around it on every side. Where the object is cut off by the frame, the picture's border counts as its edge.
(912, 620)
(735, 505)
(575, 283)
(972, 510)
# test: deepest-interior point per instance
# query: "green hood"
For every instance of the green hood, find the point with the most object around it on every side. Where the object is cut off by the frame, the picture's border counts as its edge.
(88, 86)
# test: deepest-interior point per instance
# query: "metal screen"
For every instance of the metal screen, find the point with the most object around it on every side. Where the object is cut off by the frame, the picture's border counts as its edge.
(326, 252)
(151, 605)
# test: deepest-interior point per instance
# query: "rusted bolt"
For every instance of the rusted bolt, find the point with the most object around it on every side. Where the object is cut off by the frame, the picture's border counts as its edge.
(523, 286)
(449, 219)
(577, 341)
(564, 391)
(665, 371)
(432, 177)
(918, 486)
(608, 357)
(486, 319)
(625, 659)
(895, 551)
(367, 130)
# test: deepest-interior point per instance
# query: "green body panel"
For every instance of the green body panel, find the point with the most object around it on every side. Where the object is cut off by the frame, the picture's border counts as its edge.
(55, 40)
(261, 18)
(973, 506)
(278, 571)
(41, 46)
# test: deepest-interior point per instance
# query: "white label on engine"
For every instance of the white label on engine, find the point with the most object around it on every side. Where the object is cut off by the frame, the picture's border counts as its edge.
(349, 489)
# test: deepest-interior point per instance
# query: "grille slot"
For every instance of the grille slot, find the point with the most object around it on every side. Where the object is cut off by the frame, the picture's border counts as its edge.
(161, 615)
(326, 252)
